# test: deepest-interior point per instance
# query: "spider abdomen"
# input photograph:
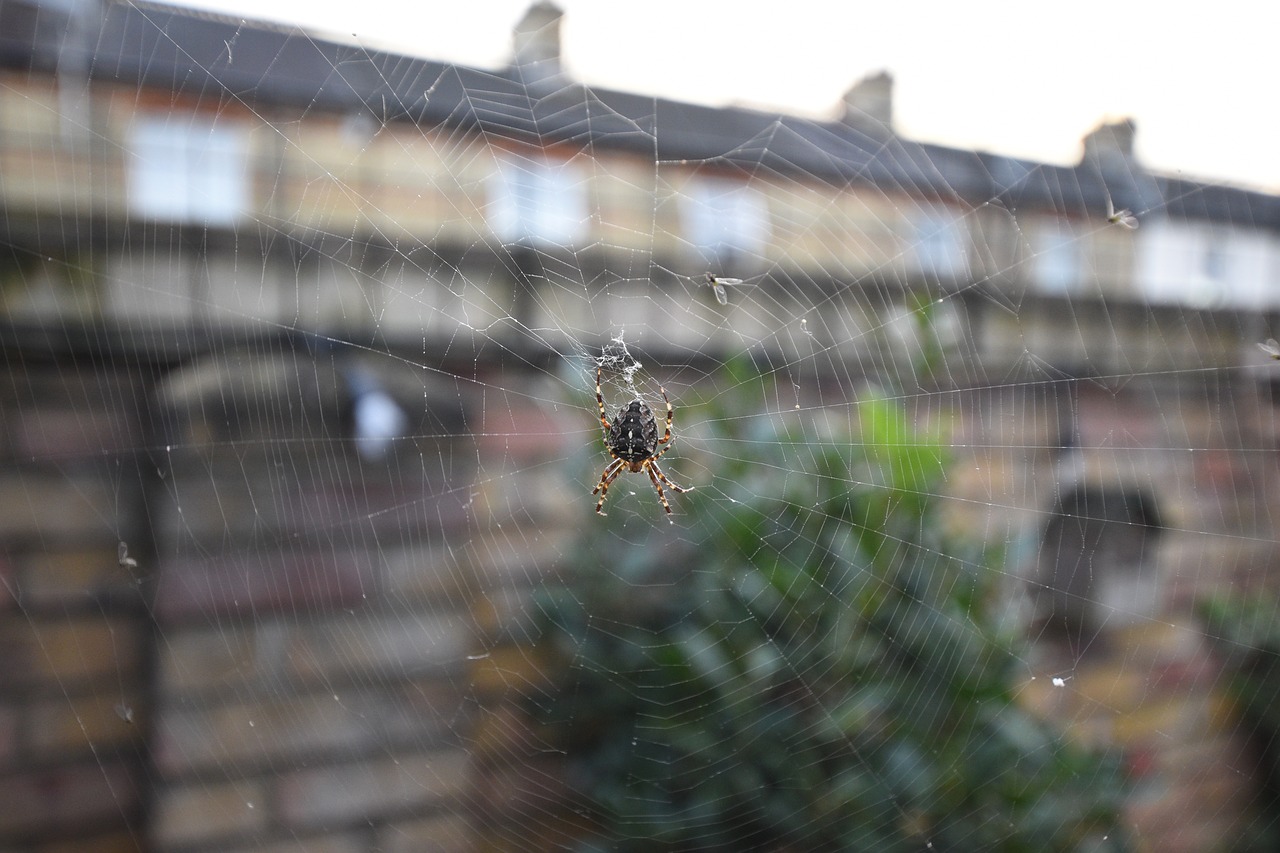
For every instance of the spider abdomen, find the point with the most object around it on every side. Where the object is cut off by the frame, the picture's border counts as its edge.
(633, 437)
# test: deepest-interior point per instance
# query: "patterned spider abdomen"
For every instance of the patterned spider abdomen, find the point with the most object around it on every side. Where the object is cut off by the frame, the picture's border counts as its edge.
(634, 434)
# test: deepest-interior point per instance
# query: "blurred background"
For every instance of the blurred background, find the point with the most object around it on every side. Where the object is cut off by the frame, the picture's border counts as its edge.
(300, 425)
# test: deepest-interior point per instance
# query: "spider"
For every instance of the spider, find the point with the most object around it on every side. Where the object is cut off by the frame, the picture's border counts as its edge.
(632, 440)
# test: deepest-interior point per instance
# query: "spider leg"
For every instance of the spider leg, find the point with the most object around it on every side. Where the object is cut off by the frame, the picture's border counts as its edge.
(654, 469)
(611, 472)
(670, 415)
(604, 422)
(648, 467)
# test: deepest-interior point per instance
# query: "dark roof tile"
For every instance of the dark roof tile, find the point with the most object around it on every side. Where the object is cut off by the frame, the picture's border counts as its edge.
(206, 54)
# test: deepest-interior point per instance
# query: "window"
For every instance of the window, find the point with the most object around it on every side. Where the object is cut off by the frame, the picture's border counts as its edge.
(1213, 263)
(724, 219)
(188, 171)
(1057, 259)
(537, 201)
(937, 244)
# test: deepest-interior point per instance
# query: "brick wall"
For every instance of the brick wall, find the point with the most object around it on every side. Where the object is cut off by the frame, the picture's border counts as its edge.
(77, 640)
(1157, 692)
(287, 665)
(318, 651)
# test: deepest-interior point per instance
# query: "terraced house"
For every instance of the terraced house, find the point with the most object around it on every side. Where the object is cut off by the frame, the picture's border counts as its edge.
(238, 616)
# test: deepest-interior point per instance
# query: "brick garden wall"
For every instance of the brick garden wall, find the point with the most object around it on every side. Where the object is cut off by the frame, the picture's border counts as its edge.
(77, 640)
(287, 665)
(320, 652)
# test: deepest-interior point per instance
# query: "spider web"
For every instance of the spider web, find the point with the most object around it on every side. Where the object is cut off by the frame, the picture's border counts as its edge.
(301, 342)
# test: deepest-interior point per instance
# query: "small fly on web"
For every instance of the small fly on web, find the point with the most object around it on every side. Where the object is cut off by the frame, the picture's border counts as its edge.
(1270, 347)
(1124, 218)
(719, 283)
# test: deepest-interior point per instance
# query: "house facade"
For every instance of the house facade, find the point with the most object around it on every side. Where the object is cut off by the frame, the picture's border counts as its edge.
(224, 243)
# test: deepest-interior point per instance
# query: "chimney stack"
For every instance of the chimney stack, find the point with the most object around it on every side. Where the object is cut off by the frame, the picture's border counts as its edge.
(1109, 147)
(868, 105)
(535, 55)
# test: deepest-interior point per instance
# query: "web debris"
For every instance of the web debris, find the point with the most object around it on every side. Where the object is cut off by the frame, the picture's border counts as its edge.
(122, 556)
(615, 357)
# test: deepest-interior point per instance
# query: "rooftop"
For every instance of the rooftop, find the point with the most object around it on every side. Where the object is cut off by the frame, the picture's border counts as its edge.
(260, 64)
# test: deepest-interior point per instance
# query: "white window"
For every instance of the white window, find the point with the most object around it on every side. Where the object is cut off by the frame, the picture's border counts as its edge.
(186, 170)
(1056, 266)
(724, 219)
(937, 244)
(538, 201)
(1214, 261)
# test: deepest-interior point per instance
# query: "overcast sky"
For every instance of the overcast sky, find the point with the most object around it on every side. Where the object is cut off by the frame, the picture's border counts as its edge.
(1022, 78)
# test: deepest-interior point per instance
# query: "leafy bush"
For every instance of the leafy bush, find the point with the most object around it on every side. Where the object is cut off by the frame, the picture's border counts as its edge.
(810, 664)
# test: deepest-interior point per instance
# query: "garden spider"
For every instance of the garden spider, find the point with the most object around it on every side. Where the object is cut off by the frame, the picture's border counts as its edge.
(632, 440)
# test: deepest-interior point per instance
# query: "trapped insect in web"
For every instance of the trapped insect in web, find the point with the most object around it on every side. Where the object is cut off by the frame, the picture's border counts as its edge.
(718, 284)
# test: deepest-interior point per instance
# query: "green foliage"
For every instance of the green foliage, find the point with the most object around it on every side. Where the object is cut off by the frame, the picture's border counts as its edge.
(806, 663)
